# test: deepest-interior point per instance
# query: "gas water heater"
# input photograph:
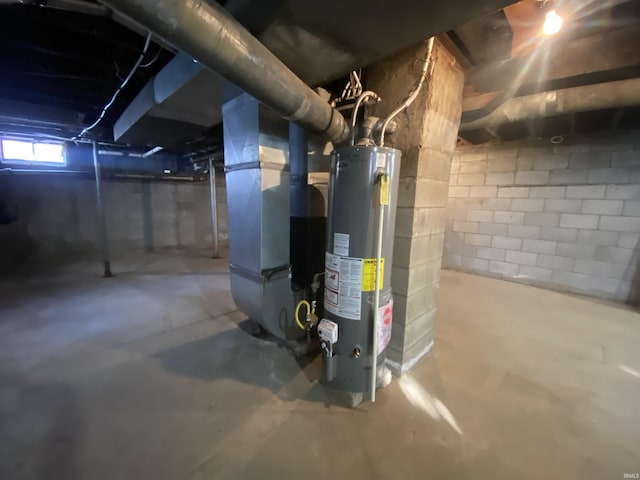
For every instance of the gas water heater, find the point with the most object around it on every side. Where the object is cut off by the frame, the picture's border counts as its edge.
(363, 190)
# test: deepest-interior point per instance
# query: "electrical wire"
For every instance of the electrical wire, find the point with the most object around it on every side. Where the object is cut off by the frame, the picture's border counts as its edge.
(153, 60)
(117, 92)
(414, 94)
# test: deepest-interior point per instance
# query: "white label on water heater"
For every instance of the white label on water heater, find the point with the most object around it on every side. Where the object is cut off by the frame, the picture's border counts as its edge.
(341, 244)
(381, 160)
(343, 286)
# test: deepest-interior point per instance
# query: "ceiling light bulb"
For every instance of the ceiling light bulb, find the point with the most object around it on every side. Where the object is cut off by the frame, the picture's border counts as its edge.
(552, 23)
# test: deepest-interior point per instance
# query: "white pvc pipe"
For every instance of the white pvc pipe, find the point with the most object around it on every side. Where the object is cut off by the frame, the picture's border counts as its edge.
(376, 301)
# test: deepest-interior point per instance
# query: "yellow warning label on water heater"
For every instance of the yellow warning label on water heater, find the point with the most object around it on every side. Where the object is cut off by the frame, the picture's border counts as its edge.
(384, 189)
(369, 274)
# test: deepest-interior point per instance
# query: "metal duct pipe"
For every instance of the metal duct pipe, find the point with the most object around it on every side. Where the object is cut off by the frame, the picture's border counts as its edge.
(207, 32)
(624, 93)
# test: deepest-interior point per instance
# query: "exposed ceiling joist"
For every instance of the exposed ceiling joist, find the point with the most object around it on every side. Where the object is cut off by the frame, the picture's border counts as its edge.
(583, 56)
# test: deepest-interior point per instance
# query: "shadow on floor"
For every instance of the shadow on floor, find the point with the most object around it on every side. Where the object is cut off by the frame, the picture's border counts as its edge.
(248, 357)
(43, 419)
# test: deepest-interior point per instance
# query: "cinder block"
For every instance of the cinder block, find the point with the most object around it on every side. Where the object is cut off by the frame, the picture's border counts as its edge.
(524, 231)
(623, 192)
(493, 228)
(598, 237)
(524, 163)
(490, 253)
(515, 218)
(555, 262)
(513, 192)
(547, 192)
(625, 271)
(631, 208)
(629, 240)
(626, 159)
(535, 151)
(476, 239)
(468, 203)
(613, 288)
(413, 307)
(483, 192)
(500, 151)
(413, 222)
(428, 193)
(455, 166)
(575, 250)
(558, 234)
(562, 206)
(539, 246)
(608, 176)
(455, 246)
(550, 162)
(500, 165)
(535, 273)
(453, 180)
(592, 267)
(615, 255)
(602, 207)
(634, 176)
(583, 147)
(620, 224)
(522, 258)
(477, 166)
(527, 204)
(506, 243)
(503, 268)
(574, 282)
(475, 263)
(568, 177)
(590, 160)
(480, 216)
(471, 154)
(494, 203)
(471, 178)
(542, 219)
(451, 260)
(587, 191)
(570, 220)
(407, 281)
(499, 179)
(532, 178)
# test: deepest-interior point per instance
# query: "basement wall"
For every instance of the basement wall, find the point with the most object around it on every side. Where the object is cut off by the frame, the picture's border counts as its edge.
(55, 220)
(564, 217)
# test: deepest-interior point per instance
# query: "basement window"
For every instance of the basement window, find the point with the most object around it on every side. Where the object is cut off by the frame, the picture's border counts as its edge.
(22, 151)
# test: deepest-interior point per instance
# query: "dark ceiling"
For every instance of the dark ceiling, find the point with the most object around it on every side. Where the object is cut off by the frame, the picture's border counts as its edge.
(61, 67)
(597, 45)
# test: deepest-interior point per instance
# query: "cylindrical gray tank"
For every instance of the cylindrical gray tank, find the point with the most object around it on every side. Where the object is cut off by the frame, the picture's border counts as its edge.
(352, 226)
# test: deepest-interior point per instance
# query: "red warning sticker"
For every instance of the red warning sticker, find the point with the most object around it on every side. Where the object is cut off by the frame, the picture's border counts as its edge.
(385, 319)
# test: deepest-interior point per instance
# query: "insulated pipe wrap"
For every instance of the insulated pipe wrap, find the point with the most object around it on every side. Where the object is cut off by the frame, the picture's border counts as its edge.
(207, 32)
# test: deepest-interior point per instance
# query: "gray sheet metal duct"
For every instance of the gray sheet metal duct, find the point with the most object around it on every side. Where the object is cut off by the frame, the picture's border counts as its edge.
(624, 93)
(256, 154)
(209, 34)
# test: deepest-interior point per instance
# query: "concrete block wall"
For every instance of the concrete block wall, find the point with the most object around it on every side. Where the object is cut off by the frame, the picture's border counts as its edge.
(565, 217)
(54, 217)
(426, 135)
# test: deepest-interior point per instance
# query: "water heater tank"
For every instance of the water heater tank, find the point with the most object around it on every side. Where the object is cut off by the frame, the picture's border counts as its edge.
(359, 176)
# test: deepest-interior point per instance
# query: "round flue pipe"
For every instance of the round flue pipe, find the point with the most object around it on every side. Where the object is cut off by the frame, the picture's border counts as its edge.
(208, 33)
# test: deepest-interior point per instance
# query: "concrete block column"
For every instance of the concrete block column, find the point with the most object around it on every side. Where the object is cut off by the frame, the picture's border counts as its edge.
(426, 134)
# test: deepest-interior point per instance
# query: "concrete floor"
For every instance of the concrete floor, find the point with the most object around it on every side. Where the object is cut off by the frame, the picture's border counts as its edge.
(152, 375)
